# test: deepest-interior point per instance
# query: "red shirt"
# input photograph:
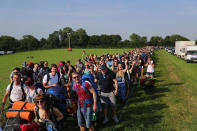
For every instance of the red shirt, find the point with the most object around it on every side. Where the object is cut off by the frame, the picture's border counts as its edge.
(82, 94)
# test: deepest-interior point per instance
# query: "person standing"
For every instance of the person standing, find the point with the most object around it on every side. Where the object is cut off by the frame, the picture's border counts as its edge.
(51, 79)
(16, 91)
(86, 102)
(106, 79)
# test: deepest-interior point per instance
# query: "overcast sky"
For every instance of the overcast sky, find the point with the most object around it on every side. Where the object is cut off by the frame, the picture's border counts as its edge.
(144, 17)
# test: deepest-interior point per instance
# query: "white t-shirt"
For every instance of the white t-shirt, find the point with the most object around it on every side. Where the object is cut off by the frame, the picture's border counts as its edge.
(16, 93)
(150, 69)
(52, 80)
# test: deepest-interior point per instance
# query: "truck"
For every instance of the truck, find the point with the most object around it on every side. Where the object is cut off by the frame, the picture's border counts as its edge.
(191, 53)
(180, 48)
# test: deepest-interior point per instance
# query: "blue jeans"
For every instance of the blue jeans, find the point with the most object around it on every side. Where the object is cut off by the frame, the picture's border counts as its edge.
(84, 116)
(122, 91)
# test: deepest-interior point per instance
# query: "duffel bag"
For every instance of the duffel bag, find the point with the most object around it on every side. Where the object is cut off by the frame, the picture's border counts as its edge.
(32, 126)
(12, 124)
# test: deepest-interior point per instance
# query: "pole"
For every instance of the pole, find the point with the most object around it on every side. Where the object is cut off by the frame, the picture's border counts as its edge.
(68, 39)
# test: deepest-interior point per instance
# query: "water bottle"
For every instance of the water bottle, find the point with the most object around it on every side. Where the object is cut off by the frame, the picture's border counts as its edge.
(94, 116)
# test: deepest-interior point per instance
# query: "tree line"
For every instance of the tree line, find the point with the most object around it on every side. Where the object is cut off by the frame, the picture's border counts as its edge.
(80, 39)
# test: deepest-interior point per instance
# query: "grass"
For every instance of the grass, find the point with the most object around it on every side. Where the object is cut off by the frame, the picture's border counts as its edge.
(169, 106)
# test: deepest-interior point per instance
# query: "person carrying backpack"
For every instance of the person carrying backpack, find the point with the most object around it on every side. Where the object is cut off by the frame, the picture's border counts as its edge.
(44, 69)
(87, 103)
(51, 79)
(16, 91)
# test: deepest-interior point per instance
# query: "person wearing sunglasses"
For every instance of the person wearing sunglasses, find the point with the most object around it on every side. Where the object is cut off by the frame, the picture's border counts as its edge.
(87, 102)
(45, 114)
(16, 91)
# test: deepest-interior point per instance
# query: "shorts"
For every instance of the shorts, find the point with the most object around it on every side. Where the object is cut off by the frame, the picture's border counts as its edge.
(108, 98)
(84, 116)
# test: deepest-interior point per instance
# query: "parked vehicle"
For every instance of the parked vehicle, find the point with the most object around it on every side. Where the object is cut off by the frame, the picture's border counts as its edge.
(180, 47)
(2, 52)
(191, 53)
(10, 52)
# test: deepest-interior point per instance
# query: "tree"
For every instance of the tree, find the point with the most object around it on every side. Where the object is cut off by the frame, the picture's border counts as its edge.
(170, 40)
(53, 40)
(135, 39)
(93, 41)
(138, 41)
(43, 43)
(81, 37)
(156, 41)
(8, 43)
(116, 39)
(196, 41)
(29, 42)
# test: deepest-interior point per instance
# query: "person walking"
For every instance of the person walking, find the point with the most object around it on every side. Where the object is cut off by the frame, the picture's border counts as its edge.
(106, 79)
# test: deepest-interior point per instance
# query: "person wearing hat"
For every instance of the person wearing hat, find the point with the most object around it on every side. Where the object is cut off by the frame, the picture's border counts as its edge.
(106, 80)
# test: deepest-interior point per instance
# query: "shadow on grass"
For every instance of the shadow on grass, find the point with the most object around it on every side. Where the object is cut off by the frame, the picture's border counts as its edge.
(172, 84)
(142, 117)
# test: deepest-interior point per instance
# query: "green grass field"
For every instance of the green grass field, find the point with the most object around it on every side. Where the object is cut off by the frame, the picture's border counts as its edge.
(169, 106)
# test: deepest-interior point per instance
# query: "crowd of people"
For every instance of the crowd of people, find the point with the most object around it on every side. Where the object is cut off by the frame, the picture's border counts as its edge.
(95, 82)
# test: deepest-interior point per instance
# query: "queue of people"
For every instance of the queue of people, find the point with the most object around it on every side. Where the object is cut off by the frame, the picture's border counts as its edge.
(96, 83)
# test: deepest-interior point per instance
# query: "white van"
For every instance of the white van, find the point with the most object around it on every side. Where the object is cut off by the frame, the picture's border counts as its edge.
(191, 53)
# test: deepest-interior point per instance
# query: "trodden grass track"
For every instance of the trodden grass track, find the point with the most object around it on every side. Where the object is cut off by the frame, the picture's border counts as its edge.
(169, 106)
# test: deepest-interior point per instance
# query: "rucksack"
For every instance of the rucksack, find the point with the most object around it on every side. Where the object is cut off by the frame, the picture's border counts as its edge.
(45, 70)
(89, 78)
(57, 96)
(22, 88)
(60, 65)
(39, 85)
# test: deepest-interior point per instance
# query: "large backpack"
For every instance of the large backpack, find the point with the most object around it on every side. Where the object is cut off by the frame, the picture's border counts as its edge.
(89, 78)
(57, 96)
(22, 88)
(39, 85)
(60, 65)
(44, 71)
